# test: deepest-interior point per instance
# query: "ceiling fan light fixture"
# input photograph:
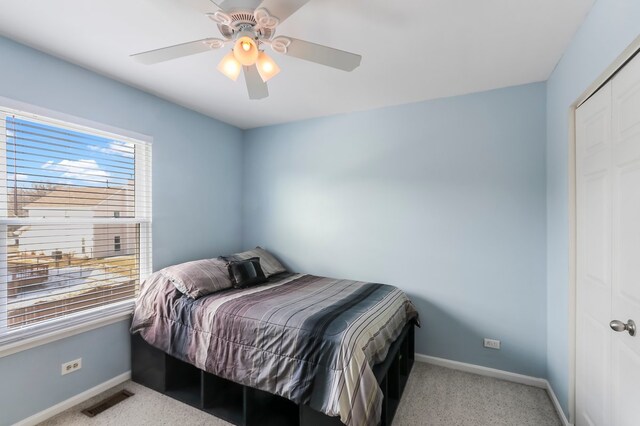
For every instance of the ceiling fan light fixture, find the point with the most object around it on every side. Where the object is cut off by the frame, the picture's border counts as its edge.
(267, 67)
(230, 66)
(246, 51)
(248, 30)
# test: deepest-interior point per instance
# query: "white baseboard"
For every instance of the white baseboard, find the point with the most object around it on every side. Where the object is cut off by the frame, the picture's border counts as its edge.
(484, 371)
(556, 404)
(498, 374)
(74, 400)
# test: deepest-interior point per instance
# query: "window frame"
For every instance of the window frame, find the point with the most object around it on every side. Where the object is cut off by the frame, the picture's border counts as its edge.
(67, 325)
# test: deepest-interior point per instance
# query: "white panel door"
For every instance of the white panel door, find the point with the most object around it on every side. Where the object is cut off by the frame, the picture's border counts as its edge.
(593, 292)
(626, 243)
(608, 253)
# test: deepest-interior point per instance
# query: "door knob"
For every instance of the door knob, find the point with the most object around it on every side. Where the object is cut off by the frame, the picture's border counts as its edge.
(618, 326)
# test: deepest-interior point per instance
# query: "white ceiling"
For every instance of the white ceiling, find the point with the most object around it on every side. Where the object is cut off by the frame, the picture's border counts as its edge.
(412, 50)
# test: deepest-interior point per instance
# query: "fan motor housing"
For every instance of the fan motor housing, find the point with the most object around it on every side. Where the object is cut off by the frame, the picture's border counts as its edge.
(240, 19)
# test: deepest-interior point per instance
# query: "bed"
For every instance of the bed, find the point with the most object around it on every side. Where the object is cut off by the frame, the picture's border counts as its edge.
(313, 341)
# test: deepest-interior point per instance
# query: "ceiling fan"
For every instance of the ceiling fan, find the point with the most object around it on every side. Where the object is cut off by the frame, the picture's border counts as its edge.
(249, 25)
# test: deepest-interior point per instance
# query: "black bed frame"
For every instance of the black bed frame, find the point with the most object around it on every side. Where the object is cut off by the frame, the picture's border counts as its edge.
(247, 406)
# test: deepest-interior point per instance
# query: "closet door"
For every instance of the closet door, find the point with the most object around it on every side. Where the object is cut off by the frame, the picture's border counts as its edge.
(626, 244)
(608, 253)
(593, 292)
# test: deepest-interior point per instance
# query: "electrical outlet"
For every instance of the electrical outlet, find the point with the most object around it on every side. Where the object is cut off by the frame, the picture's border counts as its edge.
(492, 343)
(71, 366)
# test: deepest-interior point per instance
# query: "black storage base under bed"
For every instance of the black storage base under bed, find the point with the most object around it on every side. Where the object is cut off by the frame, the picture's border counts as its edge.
(246, 406)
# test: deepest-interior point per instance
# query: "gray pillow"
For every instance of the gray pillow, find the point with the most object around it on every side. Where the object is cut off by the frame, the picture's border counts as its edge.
(199, 277)
(268, 263)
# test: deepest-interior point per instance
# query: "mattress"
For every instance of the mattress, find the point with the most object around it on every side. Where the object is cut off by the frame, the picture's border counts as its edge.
(310, 339)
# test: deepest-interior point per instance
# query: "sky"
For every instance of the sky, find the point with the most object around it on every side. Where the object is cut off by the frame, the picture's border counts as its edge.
(42, 153)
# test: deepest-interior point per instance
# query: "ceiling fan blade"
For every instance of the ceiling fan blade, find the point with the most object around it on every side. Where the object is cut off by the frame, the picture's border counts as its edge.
(282, 9)
(178, 51)
(240, 4)
(203, 6)
(323, 55)
(255, 86)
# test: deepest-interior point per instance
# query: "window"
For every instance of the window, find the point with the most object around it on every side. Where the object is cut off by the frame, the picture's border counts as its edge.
(75, 223)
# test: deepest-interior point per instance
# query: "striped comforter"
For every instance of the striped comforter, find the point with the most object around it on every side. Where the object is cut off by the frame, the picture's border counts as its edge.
(309, 339)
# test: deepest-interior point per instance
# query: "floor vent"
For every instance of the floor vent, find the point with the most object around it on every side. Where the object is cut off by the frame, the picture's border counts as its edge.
(103, 405)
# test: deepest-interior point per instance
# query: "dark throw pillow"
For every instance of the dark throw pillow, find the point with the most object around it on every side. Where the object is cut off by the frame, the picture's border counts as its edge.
(269, 264)
(246, 273)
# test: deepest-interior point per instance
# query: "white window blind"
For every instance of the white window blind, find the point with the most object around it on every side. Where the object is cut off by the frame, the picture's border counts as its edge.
(75, 223)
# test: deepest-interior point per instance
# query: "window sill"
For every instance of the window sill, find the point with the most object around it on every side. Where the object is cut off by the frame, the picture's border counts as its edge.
(72, 330)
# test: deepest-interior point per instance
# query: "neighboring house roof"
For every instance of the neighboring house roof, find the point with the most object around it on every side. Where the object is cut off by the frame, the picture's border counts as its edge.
(78, 196)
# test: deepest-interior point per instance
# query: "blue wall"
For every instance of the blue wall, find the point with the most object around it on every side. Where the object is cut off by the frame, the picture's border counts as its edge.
(444, 199)
(609, 28)
(196, 188)
(31, 380)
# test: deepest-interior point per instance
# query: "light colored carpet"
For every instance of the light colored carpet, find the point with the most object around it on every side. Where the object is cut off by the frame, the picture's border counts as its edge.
(435, 396)
(438, 396)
